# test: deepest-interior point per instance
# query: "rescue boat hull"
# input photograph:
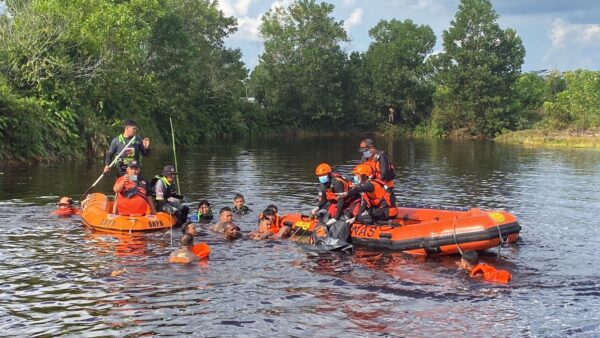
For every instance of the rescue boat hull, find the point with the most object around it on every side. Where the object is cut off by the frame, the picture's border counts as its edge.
(97, 214)
(428, 231)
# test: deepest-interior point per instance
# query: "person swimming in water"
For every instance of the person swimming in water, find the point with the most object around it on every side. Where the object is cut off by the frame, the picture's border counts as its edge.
(204, 213)
(239, 207)
(231, 231)
(225, 215)
(264, 230)
(66, 208)
(184, 254)
(470, 262)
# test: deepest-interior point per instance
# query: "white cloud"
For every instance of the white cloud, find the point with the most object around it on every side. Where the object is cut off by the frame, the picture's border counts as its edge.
(354, 19)
(248, 29)
(349, 3)
(235, 8)
(563, 33)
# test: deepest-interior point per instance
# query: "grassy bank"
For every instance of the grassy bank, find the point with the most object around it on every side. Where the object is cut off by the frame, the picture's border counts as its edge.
(563, 139)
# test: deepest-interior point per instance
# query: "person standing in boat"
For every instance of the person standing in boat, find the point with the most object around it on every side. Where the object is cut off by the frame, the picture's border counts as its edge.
(331, 184)
(376, 198)
(167, 199)
(379, 162)
(132, 194)
(136, 148)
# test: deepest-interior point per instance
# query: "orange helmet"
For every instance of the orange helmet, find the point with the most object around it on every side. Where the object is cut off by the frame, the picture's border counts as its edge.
(322, 169)
(363, 169)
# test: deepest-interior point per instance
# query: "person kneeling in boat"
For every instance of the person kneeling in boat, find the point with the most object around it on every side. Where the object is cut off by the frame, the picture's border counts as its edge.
(133, 197)
(166, 198)
(204, 213)
(376, 198)
(66, 208)
(470, 263)
(184, 254)
(331, 184)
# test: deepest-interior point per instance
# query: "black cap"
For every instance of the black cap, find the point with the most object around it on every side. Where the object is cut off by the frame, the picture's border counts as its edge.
(365, 145)
(169, 170)
(133, 164)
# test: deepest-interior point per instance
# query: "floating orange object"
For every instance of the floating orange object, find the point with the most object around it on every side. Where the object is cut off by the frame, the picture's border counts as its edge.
(97, 214)
(201, 250)
(491, 274)
(427, 230)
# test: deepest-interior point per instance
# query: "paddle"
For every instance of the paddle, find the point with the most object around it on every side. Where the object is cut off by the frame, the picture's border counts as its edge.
(174, 152)
(110, 166)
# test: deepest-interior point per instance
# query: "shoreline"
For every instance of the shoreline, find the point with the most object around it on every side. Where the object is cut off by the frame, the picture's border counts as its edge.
(552, 139)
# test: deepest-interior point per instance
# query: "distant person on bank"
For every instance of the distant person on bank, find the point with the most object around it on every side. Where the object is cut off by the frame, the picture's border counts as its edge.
(136, 148)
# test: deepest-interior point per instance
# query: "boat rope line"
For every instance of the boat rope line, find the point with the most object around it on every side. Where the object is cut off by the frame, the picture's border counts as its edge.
(454, 235)
(501, 240)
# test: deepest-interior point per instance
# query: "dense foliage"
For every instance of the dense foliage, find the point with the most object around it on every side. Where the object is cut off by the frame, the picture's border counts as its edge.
(71, 71)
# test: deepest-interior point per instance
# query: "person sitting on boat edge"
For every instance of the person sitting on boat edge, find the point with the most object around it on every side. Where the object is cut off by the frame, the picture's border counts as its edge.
(470, 262)
(376, 198)
(184, 254)
(239, 207)
(225, 215)
(331, 184)
(137, 148)
(167, 199)
(66, 208)
(132, 194)
(204, 213)
(379, 162)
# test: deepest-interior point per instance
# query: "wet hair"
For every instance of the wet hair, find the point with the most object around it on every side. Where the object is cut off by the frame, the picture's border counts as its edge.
(267, 212)
(185, 226)
(202, 203)
(273, 207)
(224, 209)
(238, 196)
(471, 257)
(129, 123)
(229, 224)
(186, 240)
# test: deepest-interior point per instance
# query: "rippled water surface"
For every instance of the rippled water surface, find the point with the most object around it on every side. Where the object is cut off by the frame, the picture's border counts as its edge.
(56, 274)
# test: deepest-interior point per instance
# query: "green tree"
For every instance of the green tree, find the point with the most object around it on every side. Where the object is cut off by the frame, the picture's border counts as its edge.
(397, 71)
(299, 76)
(578, 106)
(477, 72)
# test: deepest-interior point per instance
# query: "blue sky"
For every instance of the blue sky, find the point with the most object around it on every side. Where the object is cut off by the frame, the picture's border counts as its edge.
(557, 34)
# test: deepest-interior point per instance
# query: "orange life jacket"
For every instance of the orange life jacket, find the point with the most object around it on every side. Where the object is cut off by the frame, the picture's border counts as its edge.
(67, 212)
(330, 195)
(491, 274)
(376, 167)
(376, 198)
(201, 250)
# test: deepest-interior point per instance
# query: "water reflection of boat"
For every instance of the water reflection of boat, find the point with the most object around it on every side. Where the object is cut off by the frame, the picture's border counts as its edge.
(97, 215)
(427, 230)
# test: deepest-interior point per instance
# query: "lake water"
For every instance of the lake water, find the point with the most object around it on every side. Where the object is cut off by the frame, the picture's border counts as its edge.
(55, 273)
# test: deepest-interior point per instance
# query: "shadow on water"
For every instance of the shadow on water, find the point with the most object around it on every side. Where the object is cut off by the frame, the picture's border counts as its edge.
(57, 275)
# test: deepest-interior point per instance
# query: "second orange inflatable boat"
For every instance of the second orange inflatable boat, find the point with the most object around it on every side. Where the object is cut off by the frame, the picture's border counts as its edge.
(97, 214)
(427, 230)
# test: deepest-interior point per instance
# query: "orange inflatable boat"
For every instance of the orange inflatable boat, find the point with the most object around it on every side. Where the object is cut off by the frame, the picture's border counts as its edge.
(97, 214)
(427, 230)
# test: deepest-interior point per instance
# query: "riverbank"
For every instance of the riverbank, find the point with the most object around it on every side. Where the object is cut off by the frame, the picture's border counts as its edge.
(556, 139)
